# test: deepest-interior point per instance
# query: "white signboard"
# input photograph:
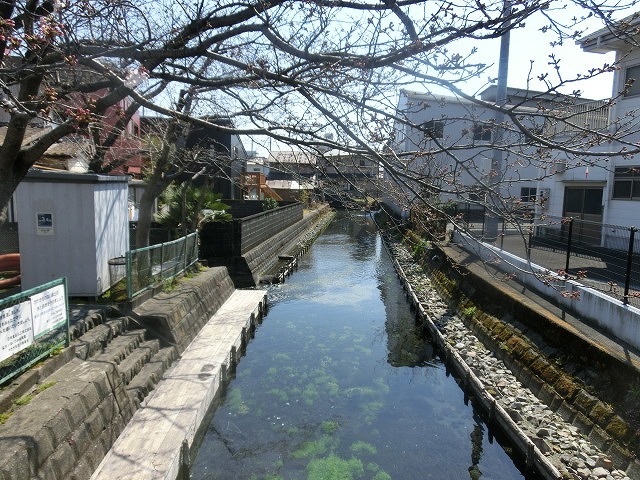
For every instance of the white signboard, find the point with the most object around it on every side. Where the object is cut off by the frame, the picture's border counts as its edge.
(23, 323)
(44, 223)
(16, 329)
(48, 309)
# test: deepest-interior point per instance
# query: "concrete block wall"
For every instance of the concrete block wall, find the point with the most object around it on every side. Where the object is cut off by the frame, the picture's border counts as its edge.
(263, 257)
(176, 317)
(257, 229)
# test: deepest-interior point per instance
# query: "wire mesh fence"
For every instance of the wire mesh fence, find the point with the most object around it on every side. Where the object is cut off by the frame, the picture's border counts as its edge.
(9, 238)
(602, 256)
(150, 266)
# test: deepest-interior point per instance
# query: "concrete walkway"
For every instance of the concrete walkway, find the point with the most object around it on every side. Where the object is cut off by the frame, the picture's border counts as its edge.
(151, 444)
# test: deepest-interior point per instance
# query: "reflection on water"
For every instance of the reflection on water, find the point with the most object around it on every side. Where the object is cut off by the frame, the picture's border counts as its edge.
(339, 383)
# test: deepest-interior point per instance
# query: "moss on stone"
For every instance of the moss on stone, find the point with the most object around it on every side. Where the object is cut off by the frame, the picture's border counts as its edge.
(550, 375)
(517, 346)
(584, 401)
(617, 427)
(529, 356)
(566, 387)
(601, 413)
(539, 365)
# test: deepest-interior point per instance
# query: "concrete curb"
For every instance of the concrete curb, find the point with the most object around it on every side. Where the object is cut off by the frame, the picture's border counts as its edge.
(471, 384)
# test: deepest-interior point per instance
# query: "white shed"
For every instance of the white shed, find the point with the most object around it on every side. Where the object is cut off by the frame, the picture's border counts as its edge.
(71, 225)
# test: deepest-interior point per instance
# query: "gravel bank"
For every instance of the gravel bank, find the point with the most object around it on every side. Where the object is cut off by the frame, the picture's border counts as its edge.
(574, 455)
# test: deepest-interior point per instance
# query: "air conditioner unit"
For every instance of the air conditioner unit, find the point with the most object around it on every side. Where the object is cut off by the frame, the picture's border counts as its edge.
(560, 166)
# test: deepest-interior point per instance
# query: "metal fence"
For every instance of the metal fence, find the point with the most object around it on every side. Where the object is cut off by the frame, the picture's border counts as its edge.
(33, 324)
(9, 238)
(150, 266)
(602, 256)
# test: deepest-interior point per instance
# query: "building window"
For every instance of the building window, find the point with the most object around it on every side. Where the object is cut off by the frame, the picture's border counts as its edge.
(481, 132)
(626, 183)
(632, 81)
(528, 194)
(434, 129)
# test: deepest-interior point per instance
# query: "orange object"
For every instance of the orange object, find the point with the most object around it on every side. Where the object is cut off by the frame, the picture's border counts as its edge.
(10, 262)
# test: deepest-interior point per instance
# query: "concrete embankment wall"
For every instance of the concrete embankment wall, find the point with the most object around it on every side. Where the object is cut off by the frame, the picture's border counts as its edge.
(177, 317)
(247, 268)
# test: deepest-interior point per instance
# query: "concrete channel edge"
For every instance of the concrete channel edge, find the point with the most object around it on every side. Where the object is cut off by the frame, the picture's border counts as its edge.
(472, 385)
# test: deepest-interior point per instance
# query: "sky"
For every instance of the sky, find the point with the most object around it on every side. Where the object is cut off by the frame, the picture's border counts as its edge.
(529, 57)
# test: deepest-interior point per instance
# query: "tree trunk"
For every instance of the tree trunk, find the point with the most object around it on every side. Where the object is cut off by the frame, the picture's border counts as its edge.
(10, 178)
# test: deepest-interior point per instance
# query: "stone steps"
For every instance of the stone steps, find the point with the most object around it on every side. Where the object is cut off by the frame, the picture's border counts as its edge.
(69, 427)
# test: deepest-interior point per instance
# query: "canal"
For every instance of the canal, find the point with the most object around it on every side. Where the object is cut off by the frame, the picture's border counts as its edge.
(340, 383)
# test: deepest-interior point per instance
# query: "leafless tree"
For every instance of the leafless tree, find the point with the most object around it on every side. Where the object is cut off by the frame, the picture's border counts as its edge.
(290, 70)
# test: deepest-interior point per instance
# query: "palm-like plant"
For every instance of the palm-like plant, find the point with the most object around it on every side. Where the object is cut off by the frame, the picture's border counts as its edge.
(184, 208)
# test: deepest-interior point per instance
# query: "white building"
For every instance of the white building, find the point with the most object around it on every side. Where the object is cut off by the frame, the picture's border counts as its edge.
(444, 148)
(604, 188)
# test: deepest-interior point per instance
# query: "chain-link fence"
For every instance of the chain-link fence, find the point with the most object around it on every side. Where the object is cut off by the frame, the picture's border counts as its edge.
(150, 266)
(9, 238)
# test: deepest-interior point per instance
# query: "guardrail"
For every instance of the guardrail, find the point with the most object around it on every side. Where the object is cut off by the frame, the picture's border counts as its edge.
(149, 266)
(33, 324)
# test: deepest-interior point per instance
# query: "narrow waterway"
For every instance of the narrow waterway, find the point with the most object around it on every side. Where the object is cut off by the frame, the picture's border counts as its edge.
(339, 383)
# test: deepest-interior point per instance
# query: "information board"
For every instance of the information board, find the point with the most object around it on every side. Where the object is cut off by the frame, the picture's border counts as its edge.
(29, 316)
(48, 310)
(16, 329)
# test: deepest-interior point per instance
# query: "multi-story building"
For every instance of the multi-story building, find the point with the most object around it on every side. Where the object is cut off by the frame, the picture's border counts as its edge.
(444, 149)
(603, 185)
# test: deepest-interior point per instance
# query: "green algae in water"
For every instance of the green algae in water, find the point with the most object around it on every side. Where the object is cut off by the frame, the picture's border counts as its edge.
(363, 448)
(279, 394)
(334, 468)
(281, 357)
(382, 476)
(310, 394)
(272, 371)
(236, 403)
(370, 411)
(329, 426)
(359, 392)
(315, 449)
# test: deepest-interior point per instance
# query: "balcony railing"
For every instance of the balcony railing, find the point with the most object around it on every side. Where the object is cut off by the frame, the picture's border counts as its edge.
(590, 116)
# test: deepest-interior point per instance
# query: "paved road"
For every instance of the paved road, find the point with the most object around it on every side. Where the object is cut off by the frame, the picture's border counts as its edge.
(603, 272)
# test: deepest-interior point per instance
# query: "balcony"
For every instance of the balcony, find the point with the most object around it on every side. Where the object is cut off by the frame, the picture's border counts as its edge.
(592, 116)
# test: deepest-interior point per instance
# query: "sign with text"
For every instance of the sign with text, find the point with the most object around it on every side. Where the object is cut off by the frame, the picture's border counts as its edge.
(48, 309)
(31, 315)
(16, 329)
(44, 223)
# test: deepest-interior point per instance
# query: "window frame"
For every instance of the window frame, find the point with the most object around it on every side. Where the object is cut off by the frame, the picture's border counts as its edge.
(433, 129)
(634, 90)
(531, 196)
(480, 130)
(628, 176)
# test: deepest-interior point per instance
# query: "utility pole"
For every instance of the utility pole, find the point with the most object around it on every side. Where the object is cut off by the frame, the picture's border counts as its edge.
(495, 194)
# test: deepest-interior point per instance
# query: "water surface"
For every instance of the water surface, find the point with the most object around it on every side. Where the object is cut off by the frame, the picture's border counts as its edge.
(339, 383)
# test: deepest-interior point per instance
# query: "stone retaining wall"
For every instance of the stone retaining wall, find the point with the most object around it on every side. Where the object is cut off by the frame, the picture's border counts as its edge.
(63, 427)
(176, 317)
